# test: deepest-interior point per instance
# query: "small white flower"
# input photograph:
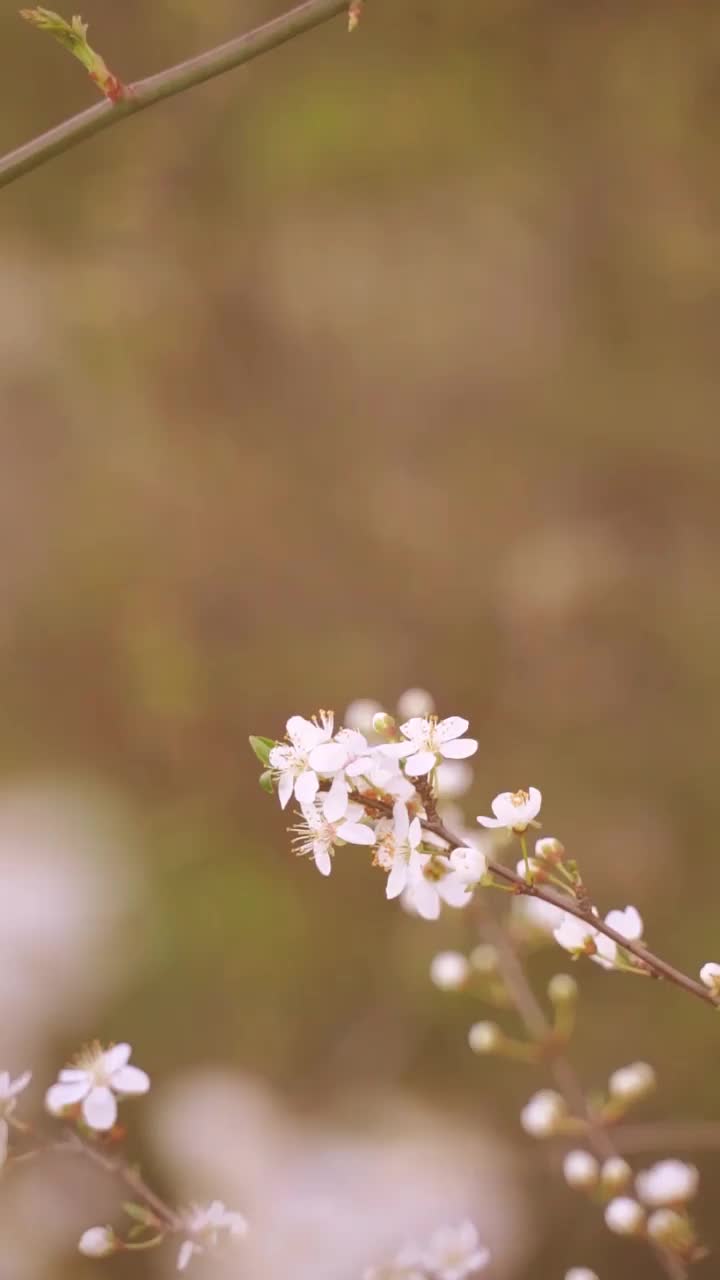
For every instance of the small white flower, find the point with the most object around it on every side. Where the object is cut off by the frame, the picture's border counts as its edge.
(397, 842)
(580, 1273)
(203, 1224)
(485, 1037)
(710, 975)
(428, 740)
(615, 1174)
(454, 1253)
(670, 1182)
(309, 750)
(580, 1170)
(98, 1242)
(515, 810)
(575, 936)
(406, 1265)
(469, 864)
(562, 989)
(541, 1116)
(549, 847)
(625, 1217)
(96, 1078)
(449, 970)
(628, 1084)
(317, 836)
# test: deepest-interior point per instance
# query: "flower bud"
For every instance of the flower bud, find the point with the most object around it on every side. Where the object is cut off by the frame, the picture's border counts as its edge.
(469, 864)
(580, 1170)
(710, 975)
(415, 702)
(449, 970)
(629, 1084)
(625, 1217)
(384, 724)
(541, 1116)
(671, 1231)
(485, 1037)
(562, 989)
(98, 1242)
(615, 1174)
(484, 958)
(550, 849)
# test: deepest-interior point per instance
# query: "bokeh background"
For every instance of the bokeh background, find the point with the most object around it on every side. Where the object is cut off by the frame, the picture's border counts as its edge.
(384, 361)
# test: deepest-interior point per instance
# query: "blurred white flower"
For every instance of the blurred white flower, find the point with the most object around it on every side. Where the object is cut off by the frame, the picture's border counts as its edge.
(9, 1090)
(204, 1225)
(406, 1265)
(625, 1217)
(428, 740)
(710, 975)
(628, 1084)
(669, 1182)
(449, 970)
(515, 810)
(360, 714)
(543, 1113)
(98, 1242)
(453, 779)
(535, 914)
(580, 1273)
(484, 1037)
(415, 702)
(615, 1174)
(454, 1252)
(580, 1170)
(549, 847)
(672, 1231)
(628, 922)
(317, 836)
(297, 762)
(95, 1080)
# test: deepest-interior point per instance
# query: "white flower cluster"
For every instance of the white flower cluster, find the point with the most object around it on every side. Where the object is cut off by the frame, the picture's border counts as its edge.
(354, 790)
(452, 1253)
(86, 1093)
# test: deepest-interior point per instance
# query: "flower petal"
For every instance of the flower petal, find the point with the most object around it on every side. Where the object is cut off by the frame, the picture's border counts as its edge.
(328, 757)
(116, 1056)
(335, 802)
(186, 1251)
(422, 762)
(397, 879)
(322, 859)
(285, 788)
(451, 727)
(354, 833)
(60, 1096)
(306, 786)
(130, 1080)
(491, 822)
(100, 1109)
(459, 748)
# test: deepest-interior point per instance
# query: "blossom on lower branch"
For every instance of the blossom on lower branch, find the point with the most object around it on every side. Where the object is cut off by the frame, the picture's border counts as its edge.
(9, 1091)
(452, 1253)
(204, 1225)
(96, 1078)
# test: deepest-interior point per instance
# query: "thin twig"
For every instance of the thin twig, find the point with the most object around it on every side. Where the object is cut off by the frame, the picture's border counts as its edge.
(145, 93)
(128, 1174)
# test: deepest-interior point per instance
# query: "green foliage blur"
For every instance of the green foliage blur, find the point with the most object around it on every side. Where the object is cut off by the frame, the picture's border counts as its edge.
(388, 360)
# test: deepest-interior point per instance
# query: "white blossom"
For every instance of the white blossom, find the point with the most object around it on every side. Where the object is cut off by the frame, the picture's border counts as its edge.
(9, 1090)
(428, 740)
(398, 839)
(309, 751)
(317, 836)
(449, 970)
(625, 1217)
(203, 1225)
(580, 1273)
(669, 1182)
(615, 1174)
(629, 923)
(95, 1079)
(541, 1116)
(454, 1252)
(515, 810)
(97, 1242)
(453, 778)
(627, 1084)
(710, 975)
(432, 881)
(535, 914)
(580, 1170)
(576, 936)
(361, 713)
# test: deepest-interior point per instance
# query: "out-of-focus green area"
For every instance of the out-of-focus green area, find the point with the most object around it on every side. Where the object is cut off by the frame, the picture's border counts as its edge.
(387, 360)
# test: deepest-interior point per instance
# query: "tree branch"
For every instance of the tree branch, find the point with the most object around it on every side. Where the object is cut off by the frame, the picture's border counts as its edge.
(145, 93)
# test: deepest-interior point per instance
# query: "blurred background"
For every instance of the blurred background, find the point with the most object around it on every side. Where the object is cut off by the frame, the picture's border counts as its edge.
(385, 361)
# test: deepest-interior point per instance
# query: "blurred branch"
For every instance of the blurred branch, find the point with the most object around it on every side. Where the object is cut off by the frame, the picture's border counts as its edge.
(145, 93)
(668, 1135)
